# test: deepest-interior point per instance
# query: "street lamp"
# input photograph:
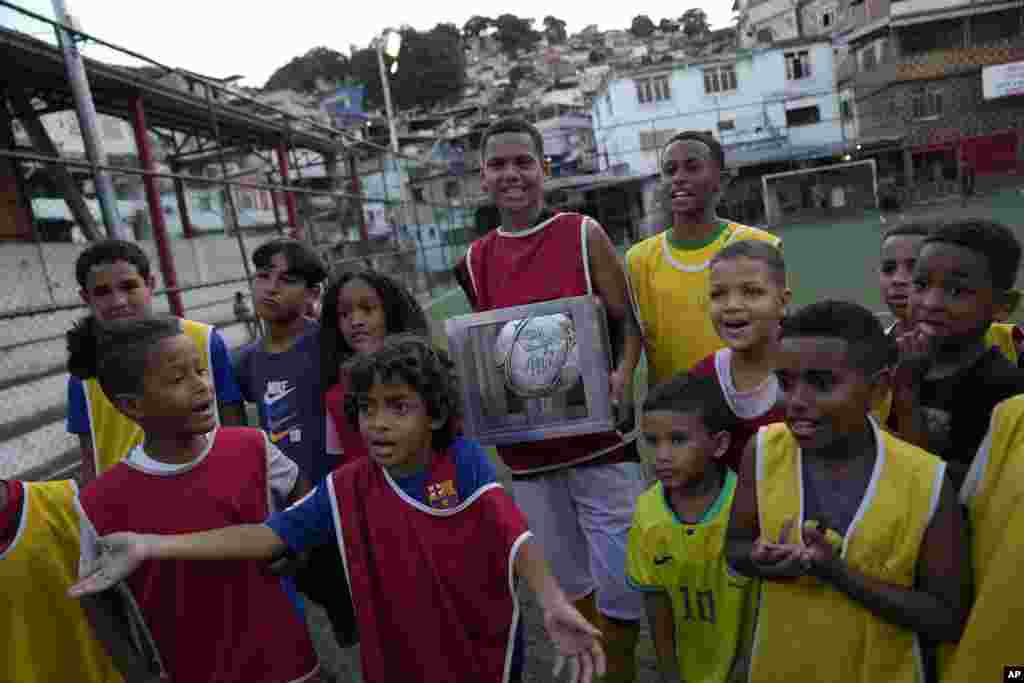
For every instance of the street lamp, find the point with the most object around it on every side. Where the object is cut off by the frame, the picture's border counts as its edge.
(389, 42)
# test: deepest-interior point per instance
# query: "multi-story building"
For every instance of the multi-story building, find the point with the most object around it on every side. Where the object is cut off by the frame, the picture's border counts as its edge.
(914, 88)
(762, 22)
(764, 104)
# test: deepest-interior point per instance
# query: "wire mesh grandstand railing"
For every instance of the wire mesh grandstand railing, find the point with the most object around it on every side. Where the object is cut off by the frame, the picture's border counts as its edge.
(203, 172)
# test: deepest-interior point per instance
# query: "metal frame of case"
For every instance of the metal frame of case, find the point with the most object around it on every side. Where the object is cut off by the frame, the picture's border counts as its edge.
(471, 341)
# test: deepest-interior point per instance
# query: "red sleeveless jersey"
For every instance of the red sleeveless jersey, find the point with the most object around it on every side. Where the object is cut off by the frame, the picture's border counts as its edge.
(428, 609)
(212, 621)
(544, 263)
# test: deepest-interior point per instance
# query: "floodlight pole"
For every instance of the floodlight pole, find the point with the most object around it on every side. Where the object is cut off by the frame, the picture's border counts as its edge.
(86, 109)
(385, 84)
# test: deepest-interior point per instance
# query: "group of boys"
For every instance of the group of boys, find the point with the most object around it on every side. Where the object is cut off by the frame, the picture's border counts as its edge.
(836, 547)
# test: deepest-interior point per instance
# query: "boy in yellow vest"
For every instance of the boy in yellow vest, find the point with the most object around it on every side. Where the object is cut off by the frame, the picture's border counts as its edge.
(116, 282)
(696, 605)
(992, 493)
(857, 535)
(669, 272)
(47, 637)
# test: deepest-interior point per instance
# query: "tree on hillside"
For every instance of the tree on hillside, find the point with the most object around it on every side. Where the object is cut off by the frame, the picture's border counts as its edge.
(431, 67)
(695, 23)
(668, 26)
(476, 25)
(301, 73)
(515, 34)
(642, 26)
(554, 30)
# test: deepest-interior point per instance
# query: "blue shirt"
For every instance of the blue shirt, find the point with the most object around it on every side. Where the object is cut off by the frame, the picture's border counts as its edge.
(287, 388)
(224, 385)
(310, 522)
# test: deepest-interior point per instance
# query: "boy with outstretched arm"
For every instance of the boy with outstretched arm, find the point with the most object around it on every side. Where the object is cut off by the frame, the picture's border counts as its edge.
(698, 608)
(403, 518)
(213, 623)
(578, 492)
(857, 535)
(948, 378)
(117, 283)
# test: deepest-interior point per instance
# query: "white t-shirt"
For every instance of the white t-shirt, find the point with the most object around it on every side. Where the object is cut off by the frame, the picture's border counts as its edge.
(746, 405)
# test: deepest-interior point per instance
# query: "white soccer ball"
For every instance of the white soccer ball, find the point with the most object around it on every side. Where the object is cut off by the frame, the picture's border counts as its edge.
(538, 356)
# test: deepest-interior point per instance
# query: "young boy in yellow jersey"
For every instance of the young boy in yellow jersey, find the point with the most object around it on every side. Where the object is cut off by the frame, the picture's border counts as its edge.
(857, 535)
(47, 637)
(669, 272)
(992, 493)
(696, 605)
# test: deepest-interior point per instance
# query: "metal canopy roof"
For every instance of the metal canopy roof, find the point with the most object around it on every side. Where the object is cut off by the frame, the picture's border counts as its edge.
(37, 67)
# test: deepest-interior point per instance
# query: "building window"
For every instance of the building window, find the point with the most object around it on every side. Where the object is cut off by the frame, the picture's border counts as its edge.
(417, 194)
(845, 110)
(654, 89)
(798, 65)
(654, 140)
(726, 124)
(451, 189)
(826, 19)
(926, 104)
(719, 79)
(803, 116)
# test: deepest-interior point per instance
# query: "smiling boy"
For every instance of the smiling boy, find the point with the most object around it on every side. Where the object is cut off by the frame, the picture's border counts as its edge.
(949, 378)
(578, 492)
(856, 534)
(669, 272)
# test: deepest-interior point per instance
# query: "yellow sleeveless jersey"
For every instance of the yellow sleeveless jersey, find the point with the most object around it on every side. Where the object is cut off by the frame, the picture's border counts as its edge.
(114, 434)
(687, 562)
(994, 495)
(671, 290)
(1000, 335)
(46, 635)
(808, 630)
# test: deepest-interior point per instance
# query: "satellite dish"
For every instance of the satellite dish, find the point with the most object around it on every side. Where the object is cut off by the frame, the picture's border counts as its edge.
(393, 44)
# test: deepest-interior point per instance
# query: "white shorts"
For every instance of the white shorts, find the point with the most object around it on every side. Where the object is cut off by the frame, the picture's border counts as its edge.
(581, 516)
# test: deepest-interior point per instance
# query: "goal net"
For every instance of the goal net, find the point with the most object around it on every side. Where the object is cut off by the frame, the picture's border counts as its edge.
(820, 192)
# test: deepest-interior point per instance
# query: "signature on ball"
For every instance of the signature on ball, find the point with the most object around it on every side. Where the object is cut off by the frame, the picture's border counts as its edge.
(538, 355)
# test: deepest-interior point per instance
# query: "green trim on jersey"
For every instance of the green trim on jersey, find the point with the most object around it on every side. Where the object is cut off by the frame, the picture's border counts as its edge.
(716, 507)
(692, 245)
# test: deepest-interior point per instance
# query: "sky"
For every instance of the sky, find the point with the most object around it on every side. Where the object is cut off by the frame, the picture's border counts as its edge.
(222, 38)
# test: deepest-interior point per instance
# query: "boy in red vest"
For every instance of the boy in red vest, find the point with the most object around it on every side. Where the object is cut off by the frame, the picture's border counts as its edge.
(227, 621)
(429, 543)
(578, 492)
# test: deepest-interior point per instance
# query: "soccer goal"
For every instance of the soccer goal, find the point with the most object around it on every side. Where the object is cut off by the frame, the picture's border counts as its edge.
(820, 191)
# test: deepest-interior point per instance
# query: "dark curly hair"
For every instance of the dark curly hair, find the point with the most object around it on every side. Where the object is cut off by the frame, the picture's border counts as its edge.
(106, 252)
(302, 259)
(993, 241)
(869, 348)
(414, 361)
(402, 315)
(689, 393)
(755, 250)
(116, 352)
